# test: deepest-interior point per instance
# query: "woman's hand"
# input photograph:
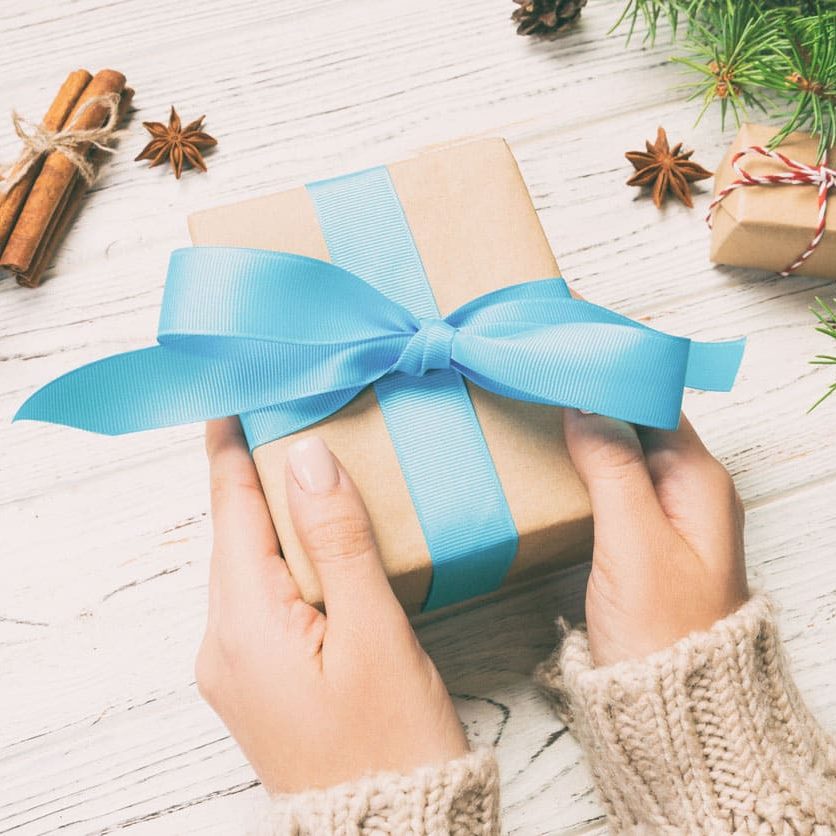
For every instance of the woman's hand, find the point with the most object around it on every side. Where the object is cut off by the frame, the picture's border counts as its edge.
(313, 700)
(668, 555)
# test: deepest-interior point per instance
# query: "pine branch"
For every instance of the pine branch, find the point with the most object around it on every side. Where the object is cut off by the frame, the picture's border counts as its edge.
(804, 74)
(826, 316)
(650, 12)
(775, 56)
(731, 47)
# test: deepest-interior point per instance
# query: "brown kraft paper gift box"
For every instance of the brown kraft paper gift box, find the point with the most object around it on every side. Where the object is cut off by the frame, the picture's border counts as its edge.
(476, 230)
(770, 226)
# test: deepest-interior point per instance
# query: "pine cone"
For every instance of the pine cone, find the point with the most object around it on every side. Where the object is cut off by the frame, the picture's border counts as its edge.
(545, 17)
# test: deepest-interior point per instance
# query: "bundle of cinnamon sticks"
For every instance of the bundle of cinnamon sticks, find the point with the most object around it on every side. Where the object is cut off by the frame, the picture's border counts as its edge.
(38, 209)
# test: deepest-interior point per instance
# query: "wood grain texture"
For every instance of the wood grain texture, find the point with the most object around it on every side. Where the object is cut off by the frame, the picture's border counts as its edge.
(104, 558)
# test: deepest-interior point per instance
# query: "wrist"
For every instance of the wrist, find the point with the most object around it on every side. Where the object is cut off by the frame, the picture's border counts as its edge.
(461, 795)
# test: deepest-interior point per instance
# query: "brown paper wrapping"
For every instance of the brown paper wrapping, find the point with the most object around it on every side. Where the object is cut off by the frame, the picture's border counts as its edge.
(476, 230)
(770, 226)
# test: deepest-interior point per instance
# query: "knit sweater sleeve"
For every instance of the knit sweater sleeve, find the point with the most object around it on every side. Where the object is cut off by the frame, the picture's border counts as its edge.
(460, 798)
(708, 736)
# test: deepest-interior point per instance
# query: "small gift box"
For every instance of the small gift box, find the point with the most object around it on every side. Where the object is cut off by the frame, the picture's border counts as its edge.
(770, 206)
(412, 316)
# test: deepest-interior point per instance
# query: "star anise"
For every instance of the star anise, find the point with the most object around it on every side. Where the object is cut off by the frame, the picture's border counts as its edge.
(177, 144)
(666, 169)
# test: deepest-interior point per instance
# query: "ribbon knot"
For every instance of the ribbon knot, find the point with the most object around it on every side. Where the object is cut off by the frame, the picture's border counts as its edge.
(827, 177)
(429, 348)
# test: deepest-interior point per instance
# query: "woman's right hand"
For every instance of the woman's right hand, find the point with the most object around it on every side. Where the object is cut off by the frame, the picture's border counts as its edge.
(668, 555)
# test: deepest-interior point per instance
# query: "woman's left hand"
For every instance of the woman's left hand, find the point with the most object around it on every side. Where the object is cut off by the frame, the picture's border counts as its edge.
(313, 700)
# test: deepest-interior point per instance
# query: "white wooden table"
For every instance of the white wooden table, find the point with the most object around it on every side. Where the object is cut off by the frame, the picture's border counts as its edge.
(104, 543)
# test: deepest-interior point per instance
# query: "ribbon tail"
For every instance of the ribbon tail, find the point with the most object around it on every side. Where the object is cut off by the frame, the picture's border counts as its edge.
(713, 366)
(138, 390)
(157, 387)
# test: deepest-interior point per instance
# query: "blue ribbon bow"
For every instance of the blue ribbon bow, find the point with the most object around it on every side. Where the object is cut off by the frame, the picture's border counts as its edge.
(285, 341)
(248, 330)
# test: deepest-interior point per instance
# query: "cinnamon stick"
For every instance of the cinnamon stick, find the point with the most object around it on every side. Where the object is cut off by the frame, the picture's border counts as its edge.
(67, 214)
(50, 192)
(54, 119)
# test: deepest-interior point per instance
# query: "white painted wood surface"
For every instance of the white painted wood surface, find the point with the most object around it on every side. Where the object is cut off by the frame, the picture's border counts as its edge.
(104, 542)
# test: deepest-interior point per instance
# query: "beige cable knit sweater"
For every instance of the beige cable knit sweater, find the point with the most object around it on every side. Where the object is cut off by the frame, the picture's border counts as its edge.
(709, 736)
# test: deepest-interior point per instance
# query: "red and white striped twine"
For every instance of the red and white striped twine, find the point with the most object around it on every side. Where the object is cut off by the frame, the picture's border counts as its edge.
(797, 174)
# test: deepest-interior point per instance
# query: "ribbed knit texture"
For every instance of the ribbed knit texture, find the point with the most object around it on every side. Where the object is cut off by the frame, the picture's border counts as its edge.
(460, 798)
(709, 736)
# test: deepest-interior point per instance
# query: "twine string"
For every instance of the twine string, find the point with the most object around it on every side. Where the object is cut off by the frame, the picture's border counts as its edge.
(795, 174)
(39, 141)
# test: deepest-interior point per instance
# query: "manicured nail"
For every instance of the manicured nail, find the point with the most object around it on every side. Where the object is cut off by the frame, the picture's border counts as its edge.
(585, 412)
(313, 466)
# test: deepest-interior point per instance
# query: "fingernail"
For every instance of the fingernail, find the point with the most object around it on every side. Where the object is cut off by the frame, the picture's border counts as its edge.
(313, 465)
(585, 412)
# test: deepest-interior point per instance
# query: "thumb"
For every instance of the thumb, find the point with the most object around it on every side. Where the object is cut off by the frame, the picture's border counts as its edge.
(333, 526)
(609, 459)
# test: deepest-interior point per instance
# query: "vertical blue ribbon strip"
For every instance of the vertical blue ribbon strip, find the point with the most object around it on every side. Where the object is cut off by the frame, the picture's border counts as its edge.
(448, 468)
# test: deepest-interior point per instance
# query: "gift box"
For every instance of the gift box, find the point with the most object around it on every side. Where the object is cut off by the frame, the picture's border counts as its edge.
(476, 231)
(413, 316)
(777, 210)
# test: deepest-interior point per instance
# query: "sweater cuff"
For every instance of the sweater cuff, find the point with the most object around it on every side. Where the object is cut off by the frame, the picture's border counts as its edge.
(461, 797)
(709, 735)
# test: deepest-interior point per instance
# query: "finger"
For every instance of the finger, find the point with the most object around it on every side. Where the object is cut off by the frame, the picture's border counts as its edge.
(609, 459)
(694, 489)
(668, 452)
(246, 564)
(334, 529)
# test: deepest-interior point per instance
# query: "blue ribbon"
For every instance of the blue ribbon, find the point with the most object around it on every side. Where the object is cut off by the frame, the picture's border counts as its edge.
(427, 409)
(243, 330)
(284, 341)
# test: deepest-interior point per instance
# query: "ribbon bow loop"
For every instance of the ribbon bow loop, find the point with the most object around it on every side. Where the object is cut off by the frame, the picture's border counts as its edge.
(430, 348)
